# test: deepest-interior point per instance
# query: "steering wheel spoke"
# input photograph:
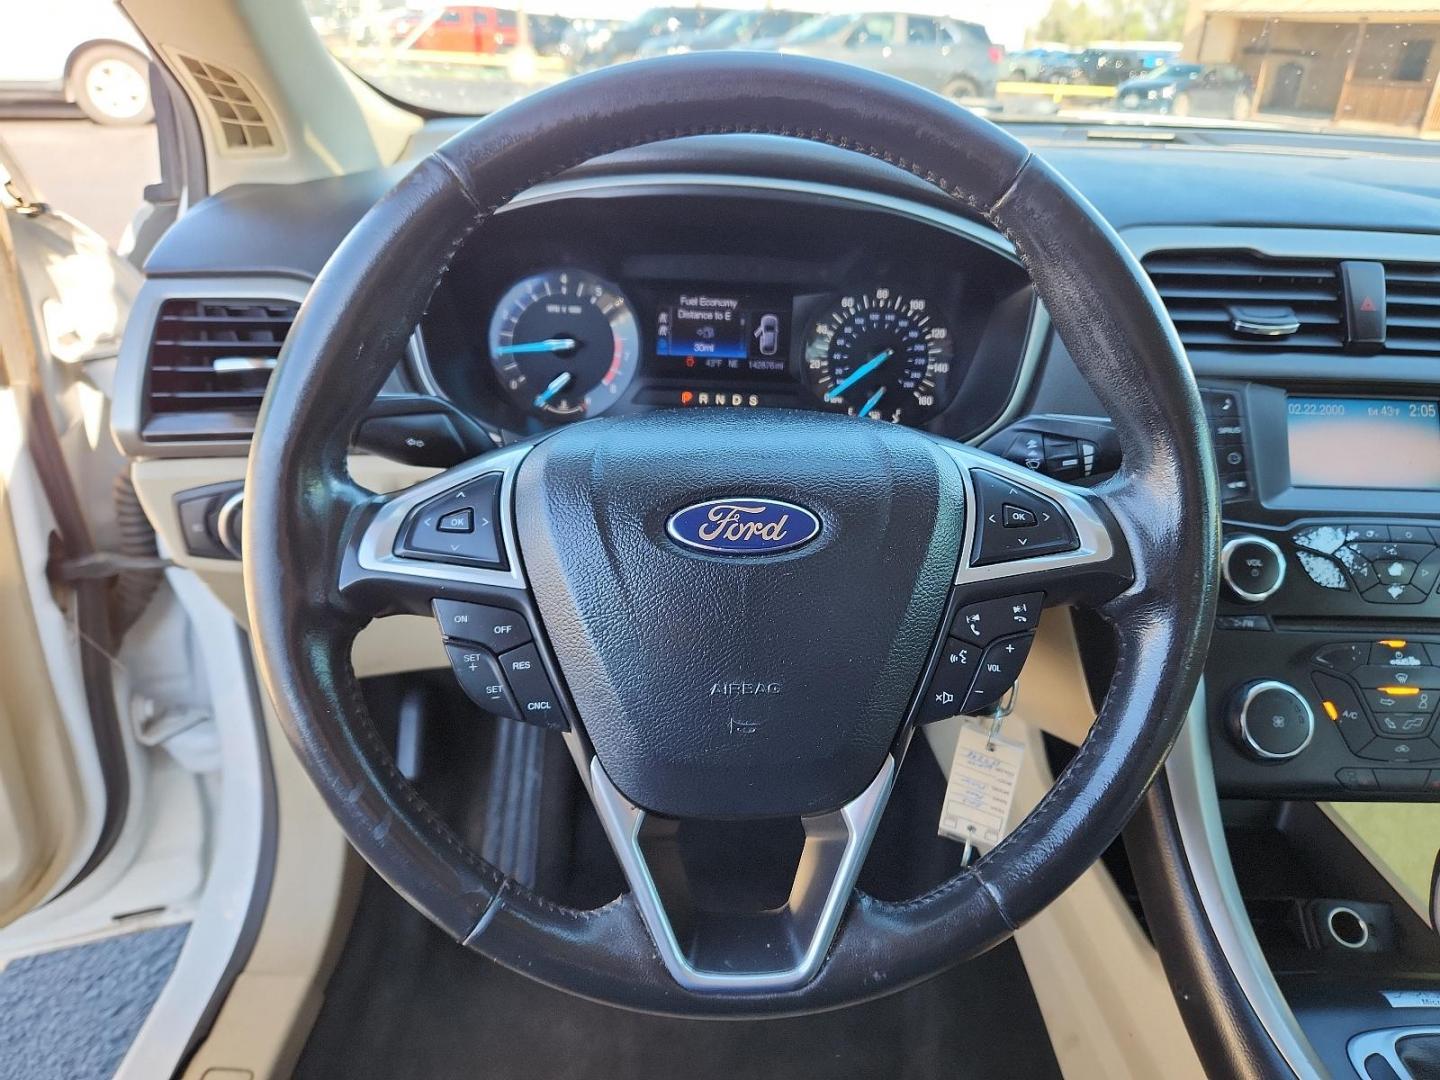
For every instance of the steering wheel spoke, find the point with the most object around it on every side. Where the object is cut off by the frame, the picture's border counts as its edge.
(1030, 542)
(707, 950)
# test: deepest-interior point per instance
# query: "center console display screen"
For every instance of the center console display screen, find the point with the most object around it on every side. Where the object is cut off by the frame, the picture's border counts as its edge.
(715, 333)
(1382, 443)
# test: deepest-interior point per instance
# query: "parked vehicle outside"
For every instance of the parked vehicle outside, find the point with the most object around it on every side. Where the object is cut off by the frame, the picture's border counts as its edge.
(80, 51)
(466, 28)
(1107, 65)
(624, 43)
(1220, 90)
(1028, 65)
(947, 55)
(736, 29)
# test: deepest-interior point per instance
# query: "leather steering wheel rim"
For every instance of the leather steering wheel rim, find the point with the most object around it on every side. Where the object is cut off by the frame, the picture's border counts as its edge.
(302, 508)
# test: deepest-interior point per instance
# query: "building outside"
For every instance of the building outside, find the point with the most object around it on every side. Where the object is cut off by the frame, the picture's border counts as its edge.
(1361, 63)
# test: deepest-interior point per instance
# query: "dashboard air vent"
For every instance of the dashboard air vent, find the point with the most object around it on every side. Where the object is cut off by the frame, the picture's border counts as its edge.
(239, 112)
(209, 363)
(1412, 317)
(1231, 300)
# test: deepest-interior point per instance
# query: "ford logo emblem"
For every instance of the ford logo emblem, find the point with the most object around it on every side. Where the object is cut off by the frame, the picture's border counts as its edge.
(743, 526)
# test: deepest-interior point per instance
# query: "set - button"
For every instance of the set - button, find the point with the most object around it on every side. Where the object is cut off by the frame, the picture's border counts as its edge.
(497, 663)
(984, 652)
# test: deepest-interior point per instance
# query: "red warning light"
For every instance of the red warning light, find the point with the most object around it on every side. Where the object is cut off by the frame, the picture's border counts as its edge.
(1368, 304)
(689, 361)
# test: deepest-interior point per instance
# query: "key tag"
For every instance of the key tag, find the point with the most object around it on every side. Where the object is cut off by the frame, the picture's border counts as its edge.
(980, 788)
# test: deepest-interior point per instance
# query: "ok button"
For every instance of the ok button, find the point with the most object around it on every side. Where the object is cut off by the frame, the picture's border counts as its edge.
(496, 628)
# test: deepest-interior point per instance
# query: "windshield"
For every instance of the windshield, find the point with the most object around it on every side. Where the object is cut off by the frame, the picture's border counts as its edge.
(1335, 66)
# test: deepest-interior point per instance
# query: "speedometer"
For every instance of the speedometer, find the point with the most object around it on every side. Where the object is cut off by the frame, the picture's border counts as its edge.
(879, 354)
(564, 343)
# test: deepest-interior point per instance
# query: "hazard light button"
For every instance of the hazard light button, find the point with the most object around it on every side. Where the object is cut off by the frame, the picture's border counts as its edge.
(1363, 287)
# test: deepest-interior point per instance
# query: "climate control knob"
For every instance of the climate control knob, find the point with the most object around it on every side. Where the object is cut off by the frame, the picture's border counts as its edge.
(1270, 721)
(1253, 567)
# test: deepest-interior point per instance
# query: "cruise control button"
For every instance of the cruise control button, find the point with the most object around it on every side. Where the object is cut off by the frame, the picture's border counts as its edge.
(982, 623)
(999, 668)
(496, 628)
(426, 534)
(994, 543)
(534, 696)
(1340, 704)
(951, 681)
(480, 678)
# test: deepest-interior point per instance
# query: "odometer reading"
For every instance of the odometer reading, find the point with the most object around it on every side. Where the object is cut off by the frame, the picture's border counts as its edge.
(879, 354)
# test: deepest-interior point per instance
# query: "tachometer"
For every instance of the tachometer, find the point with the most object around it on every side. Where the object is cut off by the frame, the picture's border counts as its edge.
(878, 354)
(564, 343)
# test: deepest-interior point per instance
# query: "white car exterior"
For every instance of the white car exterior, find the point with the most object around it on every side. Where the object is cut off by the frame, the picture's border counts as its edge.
(82, 51)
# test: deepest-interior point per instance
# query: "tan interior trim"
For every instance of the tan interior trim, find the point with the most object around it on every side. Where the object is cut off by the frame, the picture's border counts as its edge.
(267, 1015)
(1101, 988)
(1400, 841)
(42, 801)
(386, 646)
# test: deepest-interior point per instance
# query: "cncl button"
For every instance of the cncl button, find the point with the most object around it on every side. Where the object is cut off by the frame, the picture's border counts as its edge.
(534, 696)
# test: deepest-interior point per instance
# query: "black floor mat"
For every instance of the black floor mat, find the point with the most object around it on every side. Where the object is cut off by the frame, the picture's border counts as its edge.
(406, 1002)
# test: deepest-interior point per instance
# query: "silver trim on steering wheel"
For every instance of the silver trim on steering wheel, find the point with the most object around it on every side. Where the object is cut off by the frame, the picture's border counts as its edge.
(823, 882)
(376, 548)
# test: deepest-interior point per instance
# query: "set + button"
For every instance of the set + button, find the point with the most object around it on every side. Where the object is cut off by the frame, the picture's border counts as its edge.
(497, 664)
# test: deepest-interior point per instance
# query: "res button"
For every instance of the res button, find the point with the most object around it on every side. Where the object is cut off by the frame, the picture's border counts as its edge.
(534, 696)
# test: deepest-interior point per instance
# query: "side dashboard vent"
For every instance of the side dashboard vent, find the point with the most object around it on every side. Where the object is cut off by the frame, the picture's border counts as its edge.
(1412, 308)
(1233, 300)
(209, 363)
(239, 112)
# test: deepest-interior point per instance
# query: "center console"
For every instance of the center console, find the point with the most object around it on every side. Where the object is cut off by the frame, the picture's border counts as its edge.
(1324, 672)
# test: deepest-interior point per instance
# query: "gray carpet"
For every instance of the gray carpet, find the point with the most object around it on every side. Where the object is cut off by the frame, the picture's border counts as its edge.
(73, 1013)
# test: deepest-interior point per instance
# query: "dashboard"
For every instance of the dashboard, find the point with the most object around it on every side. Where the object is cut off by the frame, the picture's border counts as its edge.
(749, 272)
(714, 297)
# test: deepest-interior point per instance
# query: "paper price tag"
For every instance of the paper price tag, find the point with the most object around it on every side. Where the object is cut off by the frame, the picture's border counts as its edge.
(981, 786)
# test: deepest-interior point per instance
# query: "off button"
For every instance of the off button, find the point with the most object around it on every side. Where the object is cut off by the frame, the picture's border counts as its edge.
(498, 629)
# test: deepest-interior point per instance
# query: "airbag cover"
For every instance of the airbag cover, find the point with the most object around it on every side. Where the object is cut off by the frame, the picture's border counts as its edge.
(725, 685)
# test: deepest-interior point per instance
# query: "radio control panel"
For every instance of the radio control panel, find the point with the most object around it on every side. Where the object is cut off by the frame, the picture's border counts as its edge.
(1323, 679)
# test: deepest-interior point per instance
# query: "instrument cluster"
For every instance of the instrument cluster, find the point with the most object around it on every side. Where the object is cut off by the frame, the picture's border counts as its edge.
(746, 304)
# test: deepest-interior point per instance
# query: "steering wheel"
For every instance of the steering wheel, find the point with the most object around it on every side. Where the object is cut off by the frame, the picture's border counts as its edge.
(769, 661)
